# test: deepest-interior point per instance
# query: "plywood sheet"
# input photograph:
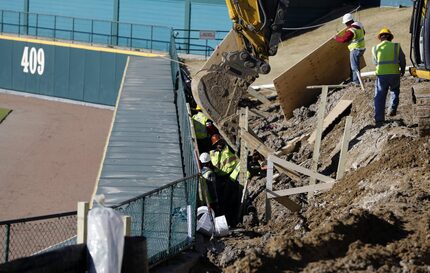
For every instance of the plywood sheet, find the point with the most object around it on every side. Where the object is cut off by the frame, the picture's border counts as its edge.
(328, 64)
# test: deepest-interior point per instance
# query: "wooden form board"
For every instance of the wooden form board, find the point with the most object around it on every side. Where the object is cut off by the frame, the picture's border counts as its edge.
(340, 107)
(328, 64)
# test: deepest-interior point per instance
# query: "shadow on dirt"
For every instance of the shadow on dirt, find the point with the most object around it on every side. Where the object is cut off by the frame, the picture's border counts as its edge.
(334, 239)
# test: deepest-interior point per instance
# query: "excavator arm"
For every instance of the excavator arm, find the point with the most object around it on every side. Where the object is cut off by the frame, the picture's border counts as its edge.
(238, 60)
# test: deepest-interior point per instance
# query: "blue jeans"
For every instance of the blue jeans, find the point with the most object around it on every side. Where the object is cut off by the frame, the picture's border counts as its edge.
(354, 58)
(383, 83)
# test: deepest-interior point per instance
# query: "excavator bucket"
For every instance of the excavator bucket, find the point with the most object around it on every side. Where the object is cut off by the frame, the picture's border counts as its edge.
(218, 91)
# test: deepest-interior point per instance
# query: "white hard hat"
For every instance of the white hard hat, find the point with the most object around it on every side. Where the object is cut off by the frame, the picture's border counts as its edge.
(346, 18)
(205, 158)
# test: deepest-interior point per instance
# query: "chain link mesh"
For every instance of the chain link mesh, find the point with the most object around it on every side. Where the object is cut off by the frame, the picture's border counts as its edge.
(162, 218)
(25, 237)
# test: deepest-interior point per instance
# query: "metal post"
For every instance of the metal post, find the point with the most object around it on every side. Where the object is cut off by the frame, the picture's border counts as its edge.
(206, 49)
(55, 27)
(2, 16)
(73, 29)
(169, 243)
(187, 25)
(131, 36)
(37, 24)
(152, 35)
(19, 24)
(7, 243)
(82, 223)
(92, 31)
(115, 30)
(142, 224)
(26, 15)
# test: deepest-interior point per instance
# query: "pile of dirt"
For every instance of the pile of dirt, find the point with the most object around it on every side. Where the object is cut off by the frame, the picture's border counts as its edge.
(374, 219)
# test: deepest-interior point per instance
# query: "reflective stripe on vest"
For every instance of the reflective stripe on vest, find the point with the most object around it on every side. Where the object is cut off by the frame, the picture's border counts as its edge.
(386, 57)
(199, 121)
(224, 161)
(358, 40)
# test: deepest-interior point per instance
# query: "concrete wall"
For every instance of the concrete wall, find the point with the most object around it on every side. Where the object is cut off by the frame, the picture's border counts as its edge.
(61, 71)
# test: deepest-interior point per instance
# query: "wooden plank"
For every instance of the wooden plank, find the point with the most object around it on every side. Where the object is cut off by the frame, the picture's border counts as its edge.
(258, 96)
(297, 190)
(344, 150)
(328, 64)
(243, 123)
(340, 107)
(256, 144)
(269, 186)
(288, 203)
(317, 146)
(291, 166)
(82, 222)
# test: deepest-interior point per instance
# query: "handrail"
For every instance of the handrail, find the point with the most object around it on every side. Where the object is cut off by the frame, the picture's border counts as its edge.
(37, 218)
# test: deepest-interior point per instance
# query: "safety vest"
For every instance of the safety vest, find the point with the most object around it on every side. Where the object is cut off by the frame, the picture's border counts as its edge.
(199, 121)
(386, 57)
(235, 173)
(358, 40)
(224, 161)
(205, 193)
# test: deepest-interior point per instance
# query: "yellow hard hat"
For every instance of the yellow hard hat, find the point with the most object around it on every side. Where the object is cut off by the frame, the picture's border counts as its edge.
(198, 108)
(384, 31)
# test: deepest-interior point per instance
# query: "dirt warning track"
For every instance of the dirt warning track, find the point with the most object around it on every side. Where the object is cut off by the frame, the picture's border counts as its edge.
(50, 153)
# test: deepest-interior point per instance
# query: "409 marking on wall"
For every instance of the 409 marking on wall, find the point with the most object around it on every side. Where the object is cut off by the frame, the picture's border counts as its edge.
(33, 60)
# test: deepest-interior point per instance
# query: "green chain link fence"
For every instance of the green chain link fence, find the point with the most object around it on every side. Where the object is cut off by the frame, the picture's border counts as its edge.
(25, 237)
(165, 216)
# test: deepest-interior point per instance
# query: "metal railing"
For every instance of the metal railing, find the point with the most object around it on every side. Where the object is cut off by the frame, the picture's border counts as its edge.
(103, 32)
(165, 216)
(187, 147)
(28, 236)
(190, 41)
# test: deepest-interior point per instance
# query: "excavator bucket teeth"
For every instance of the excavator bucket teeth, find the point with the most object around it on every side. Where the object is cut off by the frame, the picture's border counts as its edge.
(218, 92)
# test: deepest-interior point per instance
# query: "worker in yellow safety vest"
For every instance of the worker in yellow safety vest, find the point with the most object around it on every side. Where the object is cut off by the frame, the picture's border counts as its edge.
(390, 64)
(207, 185)
(222, 158)
(225, 161)
(199, 122)
(354, 36)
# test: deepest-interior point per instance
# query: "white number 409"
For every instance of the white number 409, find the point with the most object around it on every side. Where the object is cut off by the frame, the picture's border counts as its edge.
(33, 60)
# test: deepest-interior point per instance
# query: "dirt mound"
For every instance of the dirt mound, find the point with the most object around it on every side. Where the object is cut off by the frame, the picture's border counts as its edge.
(375, 219)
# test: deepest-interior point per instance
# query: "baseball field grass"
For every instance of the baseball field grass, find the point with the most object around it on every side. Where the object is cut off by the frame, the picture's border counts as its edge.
(3, 113)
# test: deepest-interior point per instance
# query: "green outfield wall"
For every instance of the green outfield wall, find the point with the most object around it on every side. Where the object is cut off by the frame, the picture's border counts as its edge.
(61, 71)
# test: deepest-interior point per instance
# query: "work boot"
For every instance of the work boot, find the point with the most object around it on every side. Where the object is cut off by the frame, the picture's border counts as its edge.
(379, 123)
(392, 113)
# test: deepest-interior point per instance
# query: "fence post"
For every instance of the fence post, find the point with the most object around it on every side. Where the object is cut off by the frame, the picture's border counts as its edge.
(152, 35)
(2, 19)
(169, 243)
(73, 29)
(19, 24)
(55, 27)
(83, 208)
(7, 244)
(37, 25)
(142, 224)
(127, 225)
(92, 31)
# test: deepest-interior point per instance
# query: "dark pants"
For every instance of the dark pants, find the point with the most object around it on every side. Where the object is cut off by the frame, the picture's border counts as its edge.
(229, 195)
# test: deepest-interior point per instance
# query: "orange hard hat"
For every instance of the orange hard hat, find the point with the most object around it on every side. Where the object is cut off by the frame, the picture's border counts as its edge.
(215, 138)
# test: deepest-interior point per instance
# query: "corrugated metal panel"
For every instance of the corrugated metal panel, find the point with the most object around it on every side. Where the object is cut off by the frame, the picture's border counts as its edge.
(144, 150)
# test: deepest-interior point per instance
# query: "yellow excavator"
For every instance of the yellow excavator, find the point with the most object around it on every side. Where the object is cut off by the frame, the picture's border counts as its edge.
(238, 60)
(420, 57)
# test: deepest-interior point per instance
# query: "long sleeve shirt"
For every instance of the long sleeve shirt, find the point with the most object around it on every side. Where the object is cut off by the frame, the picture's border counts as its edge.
(347, 36)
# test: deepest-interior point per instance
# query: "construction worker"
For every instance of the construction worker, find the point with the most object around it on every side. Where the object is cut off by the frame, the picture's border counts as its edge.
(225, 162)
(207, 190)
(222, 158)
(354, 36)
(199, 121)
(390, 64)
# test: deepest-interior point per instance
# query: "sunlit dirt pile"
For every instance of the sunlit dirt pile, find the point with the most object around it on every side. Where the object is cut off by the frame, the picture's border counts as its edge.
(375, 219)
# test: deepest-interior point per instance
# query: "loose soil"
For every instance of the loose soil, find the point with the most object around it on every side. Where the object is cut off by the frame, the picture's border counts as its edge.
(375, 219)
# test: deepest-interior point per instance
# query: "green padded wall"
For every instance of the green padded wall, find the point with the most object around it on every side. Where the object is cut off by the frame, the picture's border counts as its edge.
(59, 71)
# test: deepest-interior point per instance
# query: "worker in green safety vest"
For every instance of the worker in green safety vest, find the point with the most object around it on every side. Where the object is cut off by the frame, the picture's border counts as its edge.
(354, 36)
(225, 161)
(199, 122)
(390, 64)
